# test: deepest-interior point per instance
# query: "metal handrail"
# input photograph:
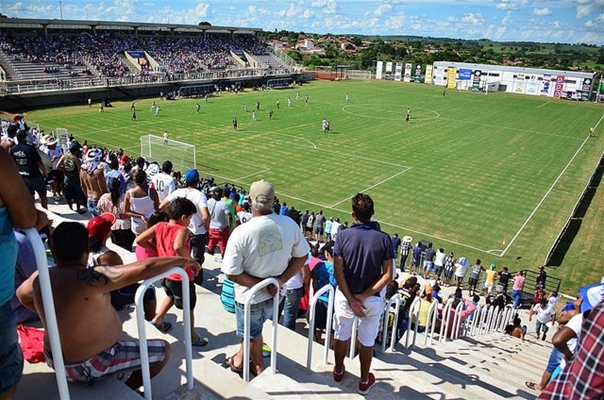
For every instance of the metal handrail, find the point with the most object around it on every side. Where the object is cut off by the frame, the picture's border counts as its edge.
(457, 320)
(142, 329)
(418, 301)
(52, 326)
(444, 326)
(431, 322)
(311, 322)
(476, 315)
(247, 322)
(396, 300)
(492, 320)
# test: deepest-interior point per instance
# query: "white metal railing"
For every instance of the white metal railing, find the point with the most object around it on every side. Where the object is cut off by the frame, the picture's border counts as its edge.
(247, 322)
(396, 302)
(431, 321)
(457, 320)
(444, 326)
(52, 327)
(412, 311)
(476, 316)
(311, 329)
(142, 331)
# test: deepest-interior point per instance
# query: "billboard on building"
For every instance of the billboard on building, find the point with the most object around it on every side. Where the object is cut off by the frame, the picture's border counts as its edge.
(408, 67)
(451, 77)
(546, 85)
(378, 69)
(465, 74)
(428, 74)
(389, 66)
(559, 85)
(398, 72)
(476, 77)
(519, 83)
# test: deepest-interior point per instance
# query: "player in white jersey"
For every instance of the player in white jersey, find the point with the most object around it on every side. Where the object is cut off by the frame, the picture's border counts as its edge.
(163, 181)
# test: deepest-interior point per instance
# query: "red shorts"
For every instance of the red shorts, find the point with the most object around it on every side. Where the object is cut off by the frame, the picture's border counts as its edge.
(218, 237)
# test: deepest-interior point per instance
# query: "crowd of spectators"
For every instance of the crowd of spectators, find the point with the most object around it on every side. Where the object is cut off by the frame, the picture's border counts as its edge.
(103, 54)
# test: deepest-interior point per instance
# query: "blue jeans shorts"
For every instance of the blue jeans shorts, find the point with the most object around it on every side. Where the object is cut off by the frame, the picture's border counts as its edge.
(259, 313)
(11, 357)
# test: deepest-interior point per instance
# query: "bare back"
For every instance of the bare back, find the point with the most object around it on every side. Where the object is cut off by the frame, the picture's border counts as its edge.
(94, 185)
(88, 324)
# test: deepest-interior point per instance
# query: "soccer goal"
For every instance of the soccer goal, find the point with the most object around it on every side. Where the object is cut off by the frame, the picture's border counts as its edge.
(182, 155)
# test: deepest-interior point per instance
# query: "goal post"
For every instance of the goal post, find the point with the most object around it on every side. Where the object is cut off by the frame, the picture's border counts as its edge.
(155, 148)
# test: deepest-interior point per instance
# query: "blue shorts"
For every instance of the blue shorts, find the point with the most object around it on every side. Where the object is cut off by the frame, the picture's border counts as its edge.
(259, 313)
(92, 207)
(438, 270)
(11, 357)
(554, 360)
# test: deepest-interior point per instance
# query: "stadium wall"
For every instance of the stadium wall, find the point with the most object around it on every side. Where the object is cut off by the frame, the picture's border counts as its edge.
(22, 102)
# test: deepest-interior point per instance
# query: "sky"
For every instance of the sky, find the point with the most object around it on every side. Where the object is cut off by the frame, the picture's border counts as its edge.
(563, 21)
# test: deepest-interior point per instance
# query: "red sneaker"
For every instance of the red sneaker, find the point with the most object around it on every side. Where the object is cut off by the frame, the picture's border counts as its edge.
(365, 386)
(338, 376)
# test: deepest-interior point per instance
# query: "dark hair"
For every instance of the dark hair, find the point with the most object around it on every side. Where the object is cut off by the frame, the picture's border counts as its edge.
(476, 298)
(114, 190)
(94, 244)
(69, 242)
(458, 293)
(167, 166)
(157, 216)
(391, 289)
(314, 249)
(140, 177)
(328, 247)
(181, 207)
(410, 282)
(114, 163)
(362, 206)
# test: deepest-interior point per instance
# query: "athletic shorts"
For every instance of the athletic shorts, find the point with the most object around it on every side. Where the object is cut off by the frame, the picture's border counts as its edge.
(438, 270)
(173, 290)
(473, 281)
(368, 325)
(319, 230)
(118, 361)
(259, 312)
(36, 185)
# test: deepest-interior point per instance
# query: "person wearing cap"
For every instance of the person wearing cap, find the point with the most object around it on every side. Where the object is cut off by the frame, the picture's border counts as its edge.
(94, 347)
(99, 230)
(489, 281)
(70, 165)
(267, 246)
(200, 221)
(363, 266)
(92, 177)
(31, 168)
(221, 220)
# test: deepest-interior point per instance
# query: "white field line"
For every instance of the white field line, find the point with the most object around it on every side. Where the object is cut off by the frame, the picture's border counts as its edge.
(544, 104)
(547, 193)
(372, 186)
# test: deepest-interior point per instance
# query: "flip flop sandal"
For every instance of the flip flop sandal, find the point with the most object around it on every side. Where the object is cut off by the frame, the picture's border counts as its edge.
(163, 327)
(229, 363)
(530, 385)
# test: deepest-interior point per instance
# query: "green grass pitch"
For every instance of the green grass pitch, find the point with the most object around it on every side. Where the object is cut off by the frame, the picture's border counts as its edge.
(468, 169)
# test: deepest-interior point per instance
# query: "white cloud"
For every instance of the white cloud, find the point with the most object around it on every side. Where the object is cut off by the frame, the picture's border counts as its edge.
(542, 11)
(507, 19)
(600, 19)
(395, 22)
(589, 24)
(383, 8)
(506, 5)
(473, 19)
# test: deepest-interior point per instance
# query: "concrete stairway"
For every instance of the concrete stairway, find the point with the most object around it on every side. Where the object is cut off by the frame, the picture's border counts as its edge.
(483, 367)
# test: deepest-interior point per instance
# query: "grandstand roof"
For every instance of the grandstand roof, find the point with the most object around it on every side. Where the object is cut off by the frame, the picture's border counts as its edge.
(23, 23)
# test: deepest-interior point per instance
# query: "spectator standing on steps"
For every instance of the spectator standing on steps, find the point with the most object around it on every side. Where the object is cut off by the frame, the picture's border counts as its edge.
(363, 266)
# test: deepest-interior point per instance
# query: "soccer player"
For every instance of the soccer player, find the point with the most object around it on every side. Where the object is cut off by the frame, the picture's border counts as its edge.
(165, 136)
(197, 107)
(235, 123)
(408, 115)
(270, 114)
(347, 98)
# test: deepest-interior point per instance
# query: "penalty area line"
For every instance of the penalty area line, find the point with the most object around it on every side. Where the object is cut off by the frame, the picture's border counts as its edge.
(372, 186)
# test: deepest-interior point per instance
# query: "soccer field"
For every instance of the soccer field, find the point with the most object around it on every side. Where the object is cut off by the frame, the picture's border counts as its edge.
(467, 170)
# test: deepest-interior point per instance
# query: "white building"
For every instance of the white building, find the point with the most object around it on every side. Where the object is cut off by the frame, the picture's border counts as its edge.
(533, 81)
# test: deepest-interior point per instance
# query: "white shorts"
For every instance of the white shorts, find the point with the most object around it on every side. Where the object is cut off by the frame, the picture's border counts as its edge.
(368, 325)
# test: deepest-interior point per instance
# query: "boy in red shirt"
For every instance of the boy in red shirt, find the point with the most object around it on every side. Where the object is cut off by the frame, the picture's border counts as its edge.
(172, 239)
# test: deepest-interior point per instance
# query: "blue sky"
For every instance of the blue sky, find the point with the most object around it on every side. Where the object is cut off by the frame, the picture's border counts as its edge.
(565, 21)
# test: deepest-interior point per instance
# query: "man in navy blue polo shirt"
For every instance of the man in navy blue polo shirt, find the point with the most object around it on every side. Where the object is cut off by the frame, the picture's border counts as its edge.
(363, 266)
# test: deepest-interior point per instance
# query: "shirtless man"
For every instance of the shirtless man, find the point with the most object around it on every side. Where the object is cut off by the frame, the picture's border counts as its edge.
(93, 182)
(90, 327)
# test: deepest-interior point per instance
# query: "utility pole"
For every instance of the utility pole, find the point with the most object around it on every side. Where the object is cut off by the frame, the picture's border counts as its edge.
(61, 8)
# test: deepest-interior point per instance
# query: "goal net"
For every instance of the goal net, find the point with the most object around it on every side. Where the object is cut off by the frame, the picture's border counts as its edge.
(62, 135)
(182, 155)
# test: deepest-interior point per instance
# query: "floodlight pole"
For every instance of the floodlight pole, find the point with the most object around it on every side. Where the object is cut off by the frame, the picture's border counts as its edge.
(61, 8)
